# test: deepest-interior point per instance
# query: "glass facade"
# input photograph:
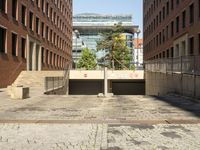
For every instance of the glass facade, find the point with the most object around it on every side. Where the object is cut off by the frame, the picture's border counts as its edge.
(90, 26)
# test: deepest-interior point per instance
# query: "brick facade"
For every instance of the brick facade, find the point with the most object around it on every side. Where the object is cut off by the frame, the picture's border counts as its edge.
(54, 45)
(171, 28)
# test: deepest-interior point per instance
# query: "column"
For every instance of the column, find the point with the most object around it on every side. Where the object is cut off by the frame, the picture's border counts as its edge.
(40, 58)
(27, 53)
(34, 57)
(105, 82)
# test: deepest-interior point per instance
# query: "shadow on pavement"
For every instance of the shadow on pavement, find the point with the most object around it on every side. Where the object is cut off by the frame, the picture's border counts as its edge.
(184, 104)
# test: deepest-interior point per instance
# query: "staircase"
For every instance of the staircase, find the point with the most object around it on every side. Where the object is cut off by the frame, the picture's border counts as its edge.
(35, 78)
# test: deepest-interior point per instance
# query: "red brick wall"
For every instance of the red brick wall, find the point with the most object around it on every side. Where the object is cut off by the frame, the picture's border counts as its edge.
(11, 66)
(150, 48)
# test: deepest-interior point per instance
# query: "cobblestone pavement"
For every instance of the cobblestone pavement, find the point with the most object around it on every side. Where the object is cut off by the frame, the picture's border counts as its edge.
(98, 137)
(92, 108)
(90, 123)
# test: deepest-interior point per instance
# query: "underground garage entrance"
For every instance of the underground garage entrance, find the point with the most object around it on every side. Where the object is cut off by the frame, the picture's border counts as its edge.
(117, 87)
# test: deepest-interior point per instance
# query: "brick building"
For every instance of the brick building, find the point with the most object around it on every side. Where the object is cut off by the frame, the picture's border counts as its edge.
(172, 47)
(34, 35)
(171, 28)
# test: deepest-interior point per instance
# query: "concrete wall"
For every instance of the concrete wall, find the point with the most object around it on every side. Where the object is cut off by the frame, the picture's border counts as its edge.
(162, 84)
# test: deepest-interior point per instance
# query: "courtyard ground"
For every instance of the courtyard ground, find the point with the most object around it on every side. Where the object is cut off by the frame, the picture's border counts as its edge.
(91, 123)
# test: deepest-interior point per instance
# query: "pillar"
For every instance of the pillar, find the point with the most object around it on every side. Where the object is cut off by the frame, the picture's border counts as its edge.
(27, 53)
(40, 58)
(34, 57)
(105, 82)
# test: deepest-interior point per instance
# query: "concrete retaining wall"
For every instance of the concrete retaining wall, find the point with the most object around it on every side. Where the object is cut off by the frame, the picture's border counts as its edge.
(162, 84)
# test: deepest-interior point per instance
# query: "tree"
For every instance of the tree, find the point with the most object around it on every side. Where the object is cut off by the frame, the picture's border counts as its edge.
(118, 53)
(87, 60)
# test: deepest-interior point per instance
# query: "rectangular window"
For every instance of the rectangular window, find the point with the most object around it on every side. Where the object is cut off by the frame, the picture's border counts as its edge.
(37, 25)
(47, 56)
(42, 31)
(167, 8)
(191, 44)
(31, 20)
(14, 44)
(47, 32)
(172, 4)
(42, 54)
(172, 28)
(42, 5)
(177, 2)
(3, 5)
(167, 31)
(199, 8)
(191, 13)
(2, 40)
(183, 19)
(14, 9)
(47, 9)
(23, 48)
(23, 15)
(163, 13)
(37, 3)
(172, 52)
(177, 24)
(51, 58)
(199, 43)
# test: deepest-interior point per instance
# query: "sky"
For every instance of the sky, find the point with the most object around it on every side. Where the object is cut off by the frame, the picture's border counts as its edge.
(133, 7)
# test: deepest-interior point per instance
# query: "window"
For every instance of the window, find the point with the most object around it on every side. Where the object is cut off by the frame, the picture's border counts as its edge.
(47, 32)
(163, 13)
(199, 42)
(167, 8)
(14, 44)
(191, 45)
(3, 5)
(167, 31)
(31, 21)
(23, 47)
(47, 56)
(42, 31)
(51, 58)
(14, 9)
(42, 5)
(2, 40)
(37, 25)
(37, 3)
(191, 13)
(172, 4)
(47, 9)
(199, 8)
(177, 24)
(177, 2)
(23, 15)
(42, 54)
(183, 19)
(172, 52)
(172, 28)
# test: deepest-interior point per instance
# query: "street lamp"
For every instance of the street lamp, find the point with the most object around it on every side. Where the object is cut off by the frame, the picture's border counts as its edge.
(138, 32)
(77, 34)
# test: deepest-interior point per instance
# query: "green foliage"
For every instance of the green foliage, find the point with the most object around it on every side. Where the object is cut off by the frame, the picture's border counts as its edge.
(87, 60)
(132, 67)
(119, 54)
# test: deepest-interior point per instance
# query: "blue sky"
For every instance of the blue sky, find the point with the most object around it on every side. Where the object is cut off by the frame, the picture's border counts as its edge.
(133, 7)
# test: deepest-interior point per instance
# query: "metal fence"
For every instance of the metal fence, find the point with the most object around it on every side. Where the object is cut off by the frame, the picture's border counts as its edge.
(183, 64)
(53, 83)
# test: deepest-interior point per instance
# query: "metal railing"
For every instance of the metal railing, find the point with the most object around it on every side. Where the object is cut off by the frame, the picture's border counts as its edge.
(182, 65)
(55, 83)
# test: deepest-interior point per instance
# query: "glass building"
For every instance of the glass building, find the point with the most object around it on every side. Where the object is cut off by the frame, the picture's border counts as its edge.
(90, 26)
